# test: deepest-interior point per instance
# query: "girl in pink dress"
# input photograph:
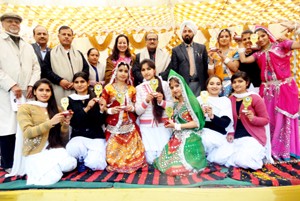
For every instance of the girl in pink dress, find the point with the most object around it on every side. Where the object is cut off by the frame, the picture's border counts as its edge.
(279, 90)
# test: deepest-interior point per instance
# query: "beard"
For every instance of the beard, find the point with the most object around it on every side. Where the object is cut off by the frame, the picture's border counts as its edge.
(188, 40)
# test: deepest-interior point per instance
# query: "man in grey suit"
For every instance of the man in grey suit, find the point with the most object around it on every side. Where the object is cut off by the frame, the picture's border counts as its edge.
(41, 37)
(189, 59)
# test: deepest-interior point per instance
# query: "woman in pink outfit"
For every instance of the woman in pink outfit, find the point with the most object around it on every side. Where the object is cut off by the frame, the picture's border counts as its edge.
(279, 90)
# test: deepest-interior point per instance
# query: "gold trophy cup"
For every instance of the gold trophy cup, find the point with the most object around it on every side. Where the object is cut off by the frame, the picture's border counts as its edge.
(212, 44)
(65, 103)
(169, 113)
(246, 102)
(204, 97)
(98, 90)
(254, 39)
(238, 30)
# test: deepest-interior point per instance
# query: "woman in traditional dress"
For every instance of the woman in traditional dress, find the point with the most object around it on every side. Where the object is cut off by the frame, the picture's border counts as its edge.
(245, 147)
(153, 96)
(224, 62)
(87, 142)
(97, 69)
(184, 154)
(44, 132)
(120, 52)
(279, 90)
(218, 113)
(125, 152)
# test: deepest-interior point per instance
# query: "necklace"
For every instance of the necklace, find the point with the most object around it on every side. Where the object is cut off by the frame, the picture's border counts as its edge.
(120, 93)
(267, 48)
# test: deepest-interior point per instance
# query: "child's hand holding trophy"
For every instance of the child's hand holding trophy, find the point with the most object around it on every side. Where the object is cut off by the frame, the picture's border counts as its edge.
(98, 90)
(204, 97)
(238, 31)
(65, 103)
(254, 39)
(169, 113)
(246, 102)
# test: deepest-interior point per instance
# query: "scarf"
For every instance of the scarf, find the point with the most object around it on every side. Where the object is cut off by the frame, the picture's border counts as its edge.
(65, 67)
(190, 100)
(162, 59)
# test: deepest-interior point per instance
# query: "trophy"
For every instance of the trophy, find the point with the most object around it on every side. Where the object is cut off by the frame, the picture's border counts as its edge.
(246, 102)
(169, 113)
(65, 103)
(204, 96)
(154, 85)
(254, 39)
(98, 90)
(238, 31)
(121, 99)
(212, 44)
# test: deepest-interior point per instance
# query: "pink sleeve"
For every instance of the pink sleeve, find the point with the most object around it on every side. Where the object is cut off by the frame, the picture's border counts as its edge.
(286, 45)
(254, 55)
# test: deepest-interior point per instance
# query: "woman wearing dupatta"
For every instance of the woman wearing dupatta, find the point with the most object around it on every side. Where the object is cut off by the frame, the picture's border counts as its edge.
(224, 62)
(184, 154)
(125, 152)
(279, 90)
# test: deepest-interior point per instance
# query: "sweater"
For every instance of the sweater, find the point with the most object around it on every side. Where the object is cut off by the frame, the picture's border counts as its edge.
(145, 110)
(256, 127)
(35, 125)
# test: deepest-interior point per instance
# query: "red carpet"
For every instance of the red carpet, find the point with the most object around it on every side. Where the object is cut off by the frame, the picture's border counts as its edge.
(278, 174)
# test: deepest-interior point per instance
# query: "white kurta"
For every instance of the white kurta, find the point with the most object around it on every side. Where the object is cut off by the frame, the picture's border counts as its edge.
(221, 106)
(17, 66)
(154, 135)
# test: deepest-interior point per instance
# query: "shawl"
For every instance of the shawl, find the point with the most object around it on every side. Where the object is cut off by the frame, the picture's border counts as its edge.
(162, 59)
(65, 67)
(190, 100)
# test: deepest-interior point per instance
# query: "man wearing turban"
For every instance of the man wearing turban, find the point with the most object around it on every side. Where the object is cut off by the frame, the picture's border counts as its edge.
(189, 59)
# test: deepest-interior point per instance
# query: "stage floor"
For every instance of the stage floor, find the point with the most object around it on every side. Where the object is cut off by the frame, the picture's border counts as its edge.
(287, 193)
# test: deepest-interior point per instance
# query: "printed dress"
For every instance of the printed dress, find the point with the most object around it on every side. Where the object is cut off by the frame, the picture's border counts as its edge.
(125, 152)
(280, 93)
(184, 154)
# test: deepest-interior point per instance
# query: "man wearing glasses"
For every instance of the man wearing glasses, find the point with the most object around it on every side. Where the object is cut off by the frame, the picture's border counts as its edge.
(159, 56)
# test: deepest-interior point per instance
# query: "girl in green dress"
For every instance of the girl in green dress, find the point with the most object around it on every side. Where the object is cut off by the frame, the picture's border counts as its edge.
(184, 154)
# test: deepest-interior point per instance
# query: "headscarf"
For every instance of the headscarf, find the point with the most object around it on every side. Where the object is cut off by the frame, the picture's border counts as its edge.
(190, 25)
(115, 70)
(271, 36)
(190, 100)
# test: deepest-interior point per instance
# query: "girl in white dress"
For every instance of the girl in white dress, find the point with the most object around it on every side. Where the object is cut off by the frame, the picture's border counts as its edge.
(218, 113)
(45, 131)
(153, 96)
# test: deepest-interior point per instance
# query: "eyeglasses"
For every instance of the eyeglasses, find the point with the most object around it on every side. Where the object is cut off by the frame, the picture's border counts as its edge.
(152, 39)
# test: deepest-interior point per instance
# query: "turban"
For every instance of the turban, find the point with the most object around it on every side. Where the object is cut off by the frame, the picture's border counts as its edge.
(191, 25)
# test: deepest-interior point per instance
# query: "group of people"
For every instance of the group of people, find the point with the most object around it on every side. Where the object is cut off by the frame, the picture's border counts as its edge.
(174, 112)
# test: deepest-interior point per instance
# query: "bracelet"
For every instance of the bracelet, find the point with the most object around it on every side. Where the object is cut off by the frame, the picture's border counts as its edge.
(242, 50)
(227, 60)
(177, 127)
(211, 66)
